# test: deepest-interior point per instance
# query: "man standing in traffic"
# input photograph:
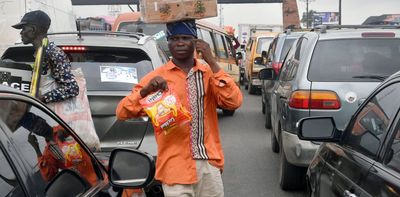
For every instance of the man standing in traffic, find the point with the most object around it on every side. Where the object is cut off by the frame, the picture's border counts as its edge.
(190, 160)
(35, 25)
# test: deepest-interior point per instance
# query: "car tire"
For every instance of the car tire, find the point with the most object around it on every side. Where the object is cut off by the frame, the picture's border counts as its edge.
(268, 123)
(251, 89)
(262, 105)
(274, 143)
(291, 177)
(228, 112)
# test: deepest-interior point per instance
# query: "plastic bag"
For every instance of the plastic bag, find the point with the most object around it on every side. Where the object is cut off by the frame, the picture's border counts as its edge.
(74, 111)
(165, 111)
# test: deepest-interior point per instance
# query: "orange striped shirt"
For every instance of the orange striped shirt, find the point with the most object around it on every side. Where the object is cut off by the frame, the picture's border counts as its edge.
(201, 92)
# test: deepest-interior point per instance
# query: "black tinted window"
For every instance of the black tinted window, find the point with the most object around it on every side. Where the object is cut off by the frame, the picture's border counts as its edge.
(371, 124)
(108, 70)
(354, 59)
(45, 146)
(9, 185)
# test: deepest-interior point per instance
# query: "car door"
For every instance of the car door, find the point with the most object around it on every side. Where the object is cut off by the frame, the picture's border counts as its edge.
(348, 163)
(383, 178)
(39, 146)
(10, 184)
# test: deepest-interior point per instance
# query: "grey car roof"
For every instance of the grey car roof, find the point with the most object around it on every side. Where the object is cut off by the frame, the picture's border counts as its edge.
(352, 33)
(99, 39)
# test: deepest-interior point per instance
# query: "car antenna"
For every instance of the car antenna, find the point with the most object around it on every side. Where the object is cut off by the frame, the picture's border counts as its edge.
(78, 27)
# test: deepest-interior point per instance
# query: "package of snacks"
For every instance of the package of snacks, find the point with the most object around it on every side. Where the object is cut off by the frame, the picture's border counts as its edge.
(165, 111)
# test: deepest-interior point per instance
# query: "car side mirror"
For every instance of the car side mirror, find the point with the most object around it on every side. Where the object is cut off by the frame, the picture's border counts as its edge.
(67, 183)
(131, 168)
(258, 60)
(239, 56)
(266, 74)
(318, 129)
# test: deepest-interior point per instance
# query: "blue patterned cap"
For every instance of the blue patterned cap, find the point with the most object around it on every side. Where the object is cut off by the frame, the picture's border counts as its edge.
(186, 27)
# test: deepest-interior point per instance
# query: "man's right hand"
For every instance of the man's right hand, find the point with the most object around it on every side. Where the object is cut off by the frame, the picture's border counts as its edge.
(157, 83)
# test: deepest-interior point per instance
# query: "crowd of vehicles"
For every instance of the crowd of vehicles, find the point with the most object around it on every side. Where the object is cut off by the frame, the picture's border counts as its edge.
(315, 88)
(329, 72)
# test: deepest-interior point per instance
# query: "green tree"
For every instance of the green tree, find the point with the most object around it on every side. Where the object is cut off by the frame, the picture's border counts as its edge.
(310, 18)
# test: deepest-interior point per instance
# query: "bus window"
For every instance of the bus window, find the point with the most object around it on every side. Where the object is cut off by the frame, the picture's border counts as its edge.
(231, 50)
(207, 37)
(222, 53)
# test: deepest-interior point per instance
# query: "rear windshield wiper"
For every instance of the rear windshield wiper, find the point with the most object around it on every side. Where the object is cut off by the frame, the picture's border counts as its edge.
(378, 77)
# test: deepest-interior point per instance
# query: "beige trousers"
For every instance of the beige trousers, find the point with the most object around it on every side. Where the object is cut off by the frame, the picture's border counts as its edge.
(209, 183)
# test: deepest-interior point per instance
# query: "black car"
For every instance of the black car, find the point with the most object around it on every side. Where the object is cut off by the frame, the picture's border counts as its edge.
(364, 158)
(32, 166)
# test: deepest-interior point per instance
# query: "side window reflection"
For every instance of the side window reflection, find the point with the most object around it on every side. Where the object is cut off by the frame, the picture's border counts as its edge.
(46, 146)
(9, 185)
(371, 124)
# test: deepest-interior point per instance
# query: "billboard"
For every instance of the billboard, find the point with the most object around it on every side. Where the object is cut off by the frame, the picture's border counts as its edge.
(321, 18)
(124, 2)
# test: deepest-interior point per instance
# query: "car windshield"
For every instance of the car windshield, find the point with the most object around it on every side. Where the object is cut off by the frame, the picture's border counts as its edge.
(355, 60)
(158, 30)
(111, 70)
(149, 29)
(263, 44)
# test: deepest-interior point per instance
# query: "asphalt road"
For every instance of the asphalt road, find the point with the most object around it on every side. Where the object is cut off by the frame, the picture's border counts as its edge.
(251, 168)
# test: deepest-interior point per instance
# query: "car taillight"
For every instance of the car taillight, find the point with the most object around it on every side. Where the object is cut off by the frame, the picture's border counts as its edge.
(321, 99)
(378, 34)
(276, 66)
(73, 48)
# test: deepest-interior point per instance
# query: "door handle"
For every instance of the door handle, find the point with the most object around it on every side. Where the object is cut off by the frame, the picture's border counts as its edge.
(347, 193)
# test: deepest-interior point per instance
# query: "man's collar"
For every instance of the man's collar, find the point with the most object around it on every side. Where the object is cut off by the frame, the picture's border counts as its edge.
(199, 66)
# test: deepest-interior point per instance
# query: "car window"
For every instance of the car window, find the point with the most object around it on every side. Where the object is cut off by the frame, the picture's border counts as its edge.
(263, 44)
(9, 184)
(44, 145)
(394, 148)
(272, 48)
(354, 59)
(229, 43)
(108, 69)
(285, 49)
(221, 46)
(372, 122)
(293, 61)
(207, 37)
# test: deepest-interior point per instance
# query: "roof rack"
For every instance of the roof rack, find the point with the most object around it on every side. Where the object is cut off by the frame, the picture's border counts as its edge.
(128, 34)
(323, 28)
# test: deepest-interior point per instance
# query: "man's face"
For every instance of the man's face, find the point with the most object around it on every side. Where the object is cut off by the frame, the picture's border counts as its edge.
(181, 46)
(27, 34)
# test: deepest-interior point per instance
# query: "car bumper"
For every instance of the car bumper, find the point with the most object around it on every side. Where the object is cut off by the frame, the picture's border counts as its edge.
(298, 152)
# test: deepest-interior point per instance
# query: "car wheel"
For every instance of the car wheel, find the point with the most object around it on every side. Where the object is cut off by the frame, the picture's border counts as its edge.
(268, 123)
(262, 105)
(274, 143)
(251, 89)
(228, 112)
(291, 177)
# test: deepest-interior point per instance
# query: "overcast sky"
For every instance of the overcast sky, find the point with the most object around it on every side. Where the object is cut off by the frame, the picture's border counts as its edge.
(353, 11)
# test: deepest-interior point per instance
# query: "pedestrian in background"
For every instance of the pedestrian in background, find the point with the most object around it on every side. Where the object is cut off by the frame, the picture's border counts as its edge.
(190, 159)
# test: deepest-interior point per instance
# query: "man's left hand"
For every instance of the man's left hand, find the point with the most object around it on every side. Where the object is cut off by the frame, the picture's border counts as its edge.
(204, 48)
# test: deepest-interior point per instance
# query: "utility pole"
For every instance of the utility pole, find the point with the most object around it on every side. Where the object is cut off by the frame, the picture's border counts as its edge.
(340, 12)
(307, 13)
(221, 16)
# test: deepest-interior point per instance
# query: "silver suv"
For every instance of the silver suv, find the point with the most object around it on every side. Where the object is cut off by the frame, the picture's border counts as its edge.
(328, 72)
